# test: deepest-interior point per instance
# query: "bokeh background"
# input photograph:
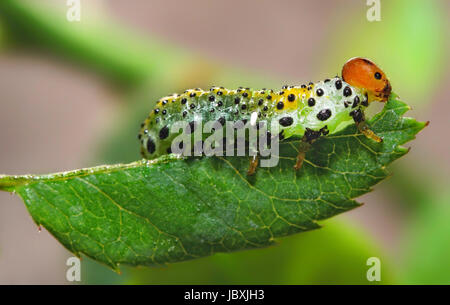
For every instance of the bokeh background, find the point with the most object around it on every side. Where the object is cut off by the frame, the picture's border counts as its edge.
(72, 94)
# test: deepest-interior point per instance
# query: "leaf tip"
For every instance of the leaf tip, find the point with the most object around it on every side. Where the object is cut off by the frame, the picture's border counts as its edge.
(114, 267)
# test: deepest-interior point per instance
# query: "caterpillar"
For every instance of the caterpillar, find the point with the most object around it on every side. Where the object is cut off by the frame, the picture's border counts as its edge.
(308, 111)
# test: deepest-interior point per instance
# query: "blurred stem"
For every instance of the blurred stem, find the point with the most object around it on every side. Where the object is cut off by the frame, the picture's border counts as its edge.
(115, 54)
(124, 57)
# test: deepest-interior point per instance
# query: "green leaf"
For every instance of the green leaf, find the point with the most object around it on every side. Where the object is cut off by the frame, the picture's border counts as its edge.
(172, 209)
(335, 254)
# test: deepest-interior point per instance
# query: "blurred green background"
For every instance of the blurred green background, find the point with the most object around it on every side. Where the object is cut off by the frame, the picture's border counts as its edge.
(73, 94)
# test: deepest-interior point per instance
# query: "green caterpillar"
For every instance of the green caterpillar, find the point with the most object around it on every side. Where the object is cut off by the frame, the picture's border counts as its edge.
(308, 111)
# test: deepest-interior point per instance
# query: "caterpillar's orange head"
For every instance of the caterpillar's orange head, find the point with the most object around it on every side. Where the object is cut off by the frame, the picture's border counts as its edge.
(362, 73)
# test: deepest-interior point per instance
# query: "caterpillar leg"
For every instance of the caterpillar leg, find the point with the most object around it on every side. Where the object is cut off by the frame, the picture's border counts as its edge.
(302, 149)
(309, 137)
(365, 130)
(358, 117)
(253, 165)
